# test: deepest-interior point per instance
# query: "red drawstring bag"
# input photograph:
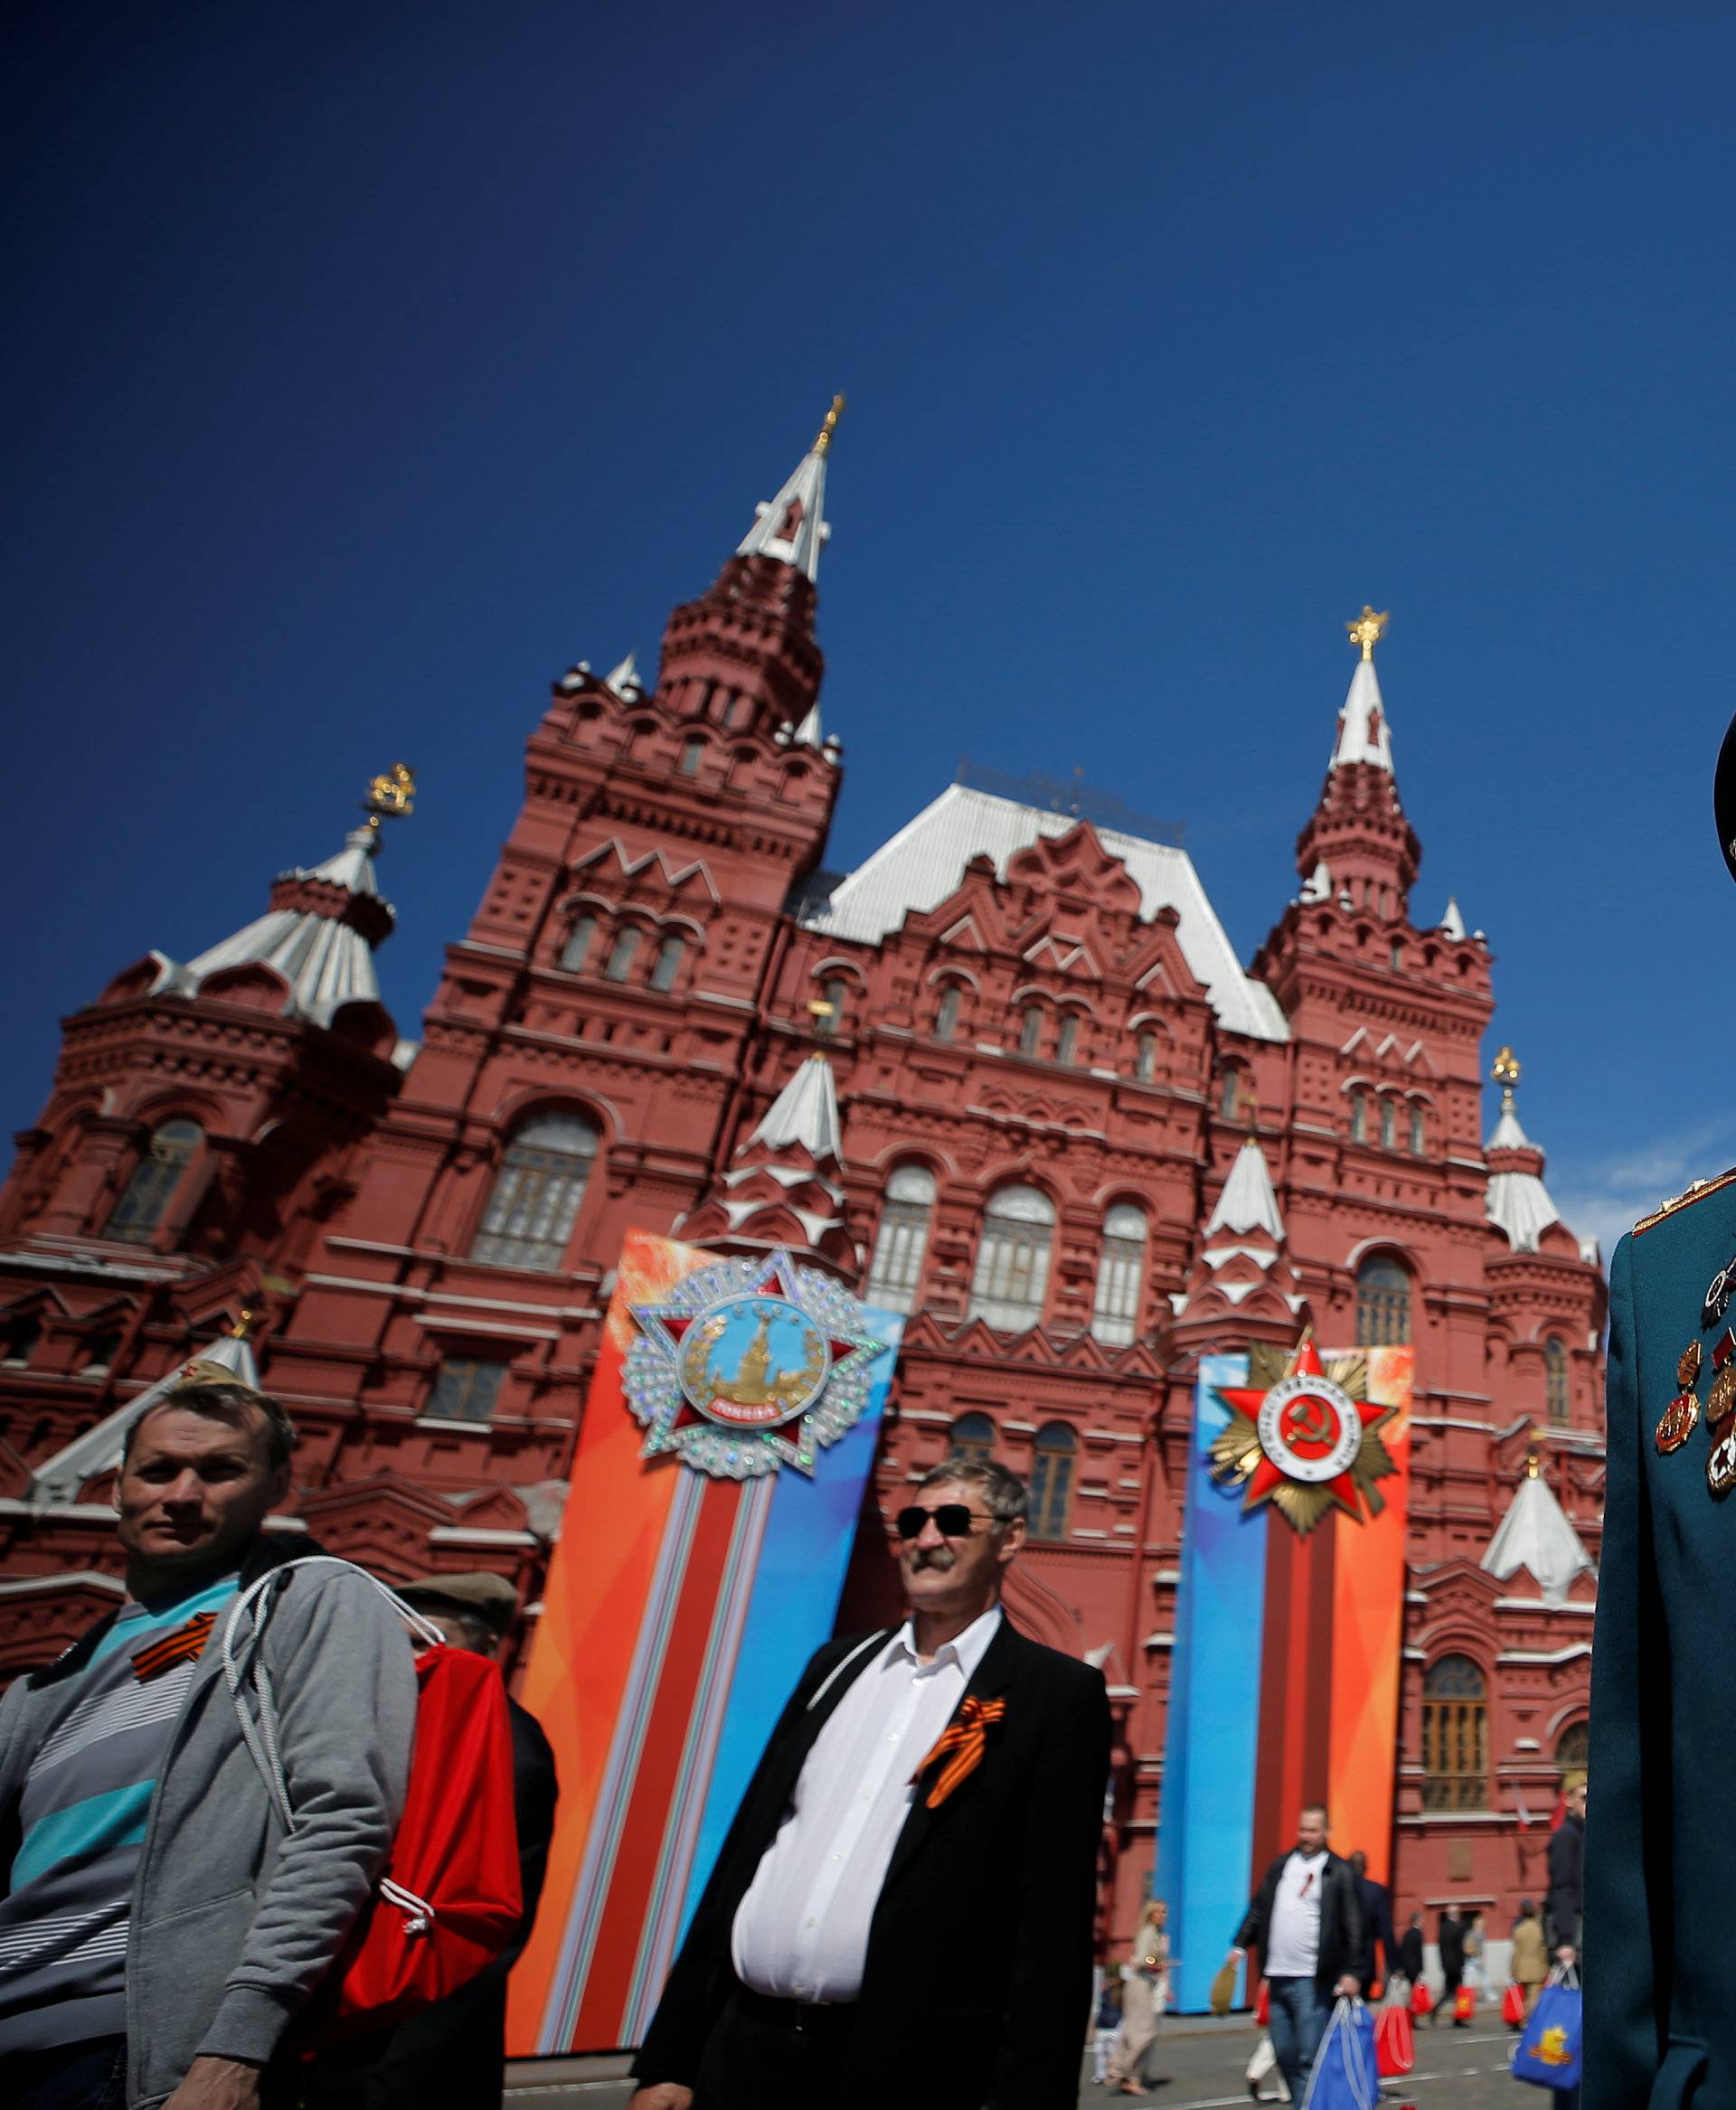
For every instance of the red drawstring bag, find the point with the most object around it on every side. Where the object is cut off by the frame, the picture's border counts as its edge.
(448, 1899)
(1512, 2007)
(1262, 2005)
(1422, 2002)
(1395, 2041)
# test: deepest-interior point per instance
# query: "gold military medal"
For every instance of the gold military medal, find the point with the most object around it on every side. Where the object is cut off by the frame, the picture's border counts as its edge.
(1681, 1417)
(1721, 1464)
(1720, 1401)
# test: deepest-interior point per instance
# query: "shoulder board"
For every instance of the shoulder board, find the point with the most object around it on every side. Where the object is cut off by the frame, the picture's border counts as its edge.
(1696, 1192)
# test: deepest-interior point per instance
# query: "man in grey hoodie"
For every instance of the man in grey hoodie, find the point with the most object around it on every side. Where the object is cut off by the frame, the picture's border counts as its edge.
(159, 1929)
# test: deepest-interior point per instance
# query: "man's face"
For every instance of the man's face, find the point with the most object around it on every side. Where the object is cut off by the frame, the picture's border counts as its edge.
(194, 1491)
(1311, 1831)
(944, 1574)
(1576, 1801)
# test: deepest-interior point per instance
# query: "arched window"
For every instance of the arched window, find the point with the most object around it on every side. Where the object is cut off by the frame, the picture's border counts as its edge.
(537, 1193)
(833, 993)
(1455, 1736)
(1013, 1258)
(1234, 1094)
(1120, 1273)
(669, 958)
(156, 1175)
(1030, 1029)
(946, 1015)
(578, 945)
(1144, 1057)
(971, 1439)
(1573, 1749)
(620, 954)
(691, 753)
(1052, 1481)
(1067, 1040)
(1416, 1132)
(1358, 1118)
(1389, 1123)
(1383, 1305)
(1555, 1379)
(896, 1270)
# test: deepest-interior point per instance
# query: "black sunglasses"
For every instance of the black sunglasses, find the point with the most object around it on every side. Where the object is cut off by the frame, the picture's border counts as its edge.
(952, 1519)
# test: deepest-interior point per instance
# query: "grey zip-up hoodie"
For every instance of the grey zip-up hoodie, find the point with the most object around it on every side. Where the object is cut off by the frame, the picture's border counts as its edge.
(234, 1922)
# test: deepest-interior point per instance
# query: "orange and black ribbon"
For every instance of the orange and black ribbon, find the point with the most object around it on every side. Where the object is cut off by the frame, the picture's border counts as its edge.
(959, 1751)
(185, 1645)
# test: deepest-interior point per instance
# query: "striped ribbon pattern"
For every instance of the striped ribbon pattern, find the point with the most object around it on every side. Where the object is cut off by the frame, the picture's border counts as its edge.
(962, 1745)
(185, 1645)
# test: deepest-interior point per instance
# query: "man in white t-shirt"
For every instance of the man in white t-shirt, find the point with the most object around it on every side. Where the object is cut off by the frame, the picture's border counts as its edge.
(1307, 1921)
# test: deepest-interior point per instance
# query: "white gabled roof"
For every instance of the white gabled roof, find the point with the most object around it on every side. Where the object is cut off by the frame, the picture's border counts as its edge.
(1248, 1201)
(924, 860)
(1362, 732)
(1536, 1535)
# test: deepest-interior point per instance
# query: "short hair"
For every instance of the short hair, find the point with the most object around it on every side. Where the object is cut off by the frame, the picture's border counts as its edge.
(1316, 1804)
(217, 1399)
(1002, 1491)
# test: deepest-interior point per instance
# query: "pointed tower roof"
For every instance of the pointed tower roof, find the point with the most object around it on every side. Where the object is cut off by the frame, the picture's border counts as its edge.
(1517, 1203)
(1357, 831)
(625, 677)
(59, 1478)
(1536, 1535)
(792, 526)
(1363, 735)
(782, 1187)
(806, 1112)
(1242, 1282)
(324, 923)
(1248, 1201)
(1452, 923)
(807, 734)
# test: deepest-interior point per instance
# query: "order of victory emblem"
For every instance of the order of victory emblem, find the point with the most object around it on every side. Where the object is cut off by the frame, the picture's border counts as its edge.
(1301, 1436)
(750, 1365)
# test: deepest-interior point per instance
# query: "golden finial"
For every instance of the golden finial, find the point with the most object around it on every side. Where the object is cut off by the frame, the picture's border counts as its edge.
(1506, 1073)
(1368, 629)
(238, 1332)
(1533, 1464)
(830, 426)
(391, 796)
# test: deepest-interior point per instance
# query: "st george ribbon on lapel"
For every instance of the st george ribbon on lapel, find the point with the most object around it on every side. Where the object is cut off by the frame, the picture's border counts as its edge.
(962, 1745)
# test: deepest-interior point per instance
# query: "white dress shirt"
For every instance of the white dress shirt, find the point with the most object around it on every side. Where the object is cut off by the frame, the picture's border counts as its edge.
(801, 1932)
(1293, 1937)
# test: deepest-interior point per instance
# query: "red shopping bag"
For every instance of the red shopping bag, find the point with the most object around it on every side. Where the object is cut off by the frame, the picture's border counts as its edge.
(1395, 2041)
(1512, 2007)
(1262, 2006)
(1464, 2005)
(1422, 2002)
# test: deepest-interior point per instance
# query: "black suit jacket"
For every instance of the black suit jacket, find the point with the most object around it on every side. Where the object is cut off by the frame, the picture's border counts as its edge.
(1345, 1945)
(977, 1986)
(1563, 1902)
(1377, 1920)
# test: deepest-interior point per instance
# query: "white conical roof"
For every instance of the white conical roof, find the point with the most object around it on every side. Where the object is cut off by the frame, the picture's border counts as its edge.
(1318, 885)
(1363, 735)
(807, 734)
(98, 1450)
(793, 526)
(1248, 1201)
(1508, 1134)
(1452, 922)
(806, 1112)
(625, 676)
(1536, 1535)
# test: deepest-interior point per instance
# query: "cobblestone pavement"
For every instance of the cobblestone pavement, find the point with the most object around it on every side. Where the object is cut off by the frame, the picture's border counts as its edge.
(1457, 2069)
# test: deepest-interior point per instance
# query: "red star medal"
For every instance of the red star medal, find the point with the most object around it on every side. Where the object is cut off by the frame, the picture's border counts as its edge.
(1306, 1444)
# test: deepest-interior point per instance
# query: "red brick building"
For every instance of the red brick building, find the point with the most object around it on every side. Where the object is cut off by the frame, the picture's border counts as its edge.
(1077, 1142)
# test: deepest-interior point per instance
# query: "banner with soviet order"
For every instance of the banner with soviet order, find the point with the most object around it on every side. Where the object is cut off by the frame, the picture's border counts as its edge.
(720, 1467)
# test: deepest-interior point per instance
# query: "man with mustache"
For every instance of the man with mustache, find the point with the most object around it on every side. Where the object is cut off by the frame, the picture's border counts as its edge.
(902, 1909)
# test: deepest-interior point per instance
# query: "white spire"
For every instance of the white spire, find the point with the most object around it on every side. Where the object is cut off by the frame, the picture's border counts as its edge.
(1452, 923)
(1508, 1134)
(625, 677)
(793, 525)
(1363, 735)
(1319, 884)
(1536, 1535)
(806, 1112)
(807, 734)
(1248, 1201)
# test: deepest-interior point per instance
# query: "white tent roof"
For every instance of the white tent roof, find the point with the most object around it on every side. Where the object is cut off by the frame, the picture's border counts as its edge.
(806, 1111)
(1536, 1535)
(1248, 1201)
(1362, 732)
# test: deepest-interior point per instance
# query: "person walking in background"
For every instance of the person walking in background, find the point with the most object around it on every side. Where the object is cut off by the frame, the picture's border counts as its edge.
(1145, 1996)
(1530, 1965)
(1410, 1949)
(1563, 1902)
(1377, 1915)
(1108, 2025)
(901, 1911)
(1451, 1941)
(160, 1931)
(1306, 1919)
(1475, 1957)
(454, 2052)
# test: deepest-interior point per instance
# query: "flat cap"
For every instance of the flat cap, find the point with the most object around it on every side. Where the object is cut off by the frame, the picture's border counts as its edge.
(489, 1596)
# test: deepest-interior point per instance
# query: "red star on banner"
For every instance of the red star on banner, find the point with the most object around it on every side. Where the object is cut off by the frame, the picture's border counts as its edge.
(1308, 1427)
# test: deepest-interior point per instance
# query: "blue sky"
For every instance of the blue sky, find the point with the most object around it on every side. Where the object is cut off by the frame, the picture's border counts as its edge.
(372, 364)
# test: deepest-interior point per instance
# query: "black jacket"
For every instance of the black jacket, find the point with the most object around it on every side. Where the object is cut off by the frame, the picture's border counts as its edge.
(977, 1986)
(1562, 1908)
(1451, 1941)
(1410, 1953)
(1344, 1933)
(1377, 1919)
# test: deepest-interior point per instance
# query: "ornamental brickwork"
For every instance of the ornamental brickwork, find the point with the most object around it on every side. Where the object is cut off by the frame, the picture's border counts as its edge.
(1045, 1065)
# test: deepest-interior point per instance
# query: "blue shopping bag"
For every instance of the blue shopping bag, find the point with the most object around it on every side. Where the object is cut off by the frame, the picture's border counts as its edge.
(1346, 2076)
(1550, 2051)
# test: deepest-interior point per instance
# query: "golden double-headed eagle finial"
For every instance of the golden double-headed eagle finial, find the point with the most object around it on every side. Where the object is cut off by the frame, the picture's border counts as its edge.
(830, 426)
(1368, 629)
(390, 796)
